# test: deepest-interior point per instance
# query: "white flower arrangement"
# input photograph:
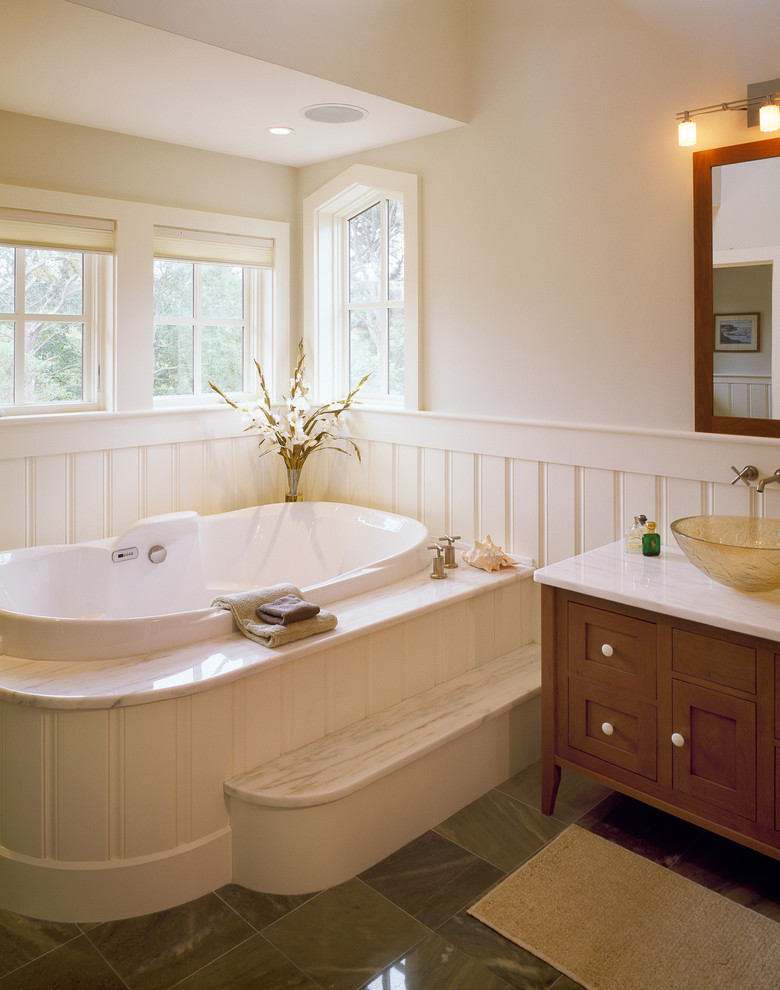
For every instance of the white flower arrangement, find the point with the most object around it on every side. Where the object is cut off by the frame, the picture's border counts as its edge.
(297, 431)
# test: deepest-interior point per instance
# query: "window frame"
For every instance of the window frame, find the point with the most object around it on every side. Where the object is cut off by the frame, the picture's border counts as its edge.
(256, 321)
(126, 309)
(325, 278)
(96, 318)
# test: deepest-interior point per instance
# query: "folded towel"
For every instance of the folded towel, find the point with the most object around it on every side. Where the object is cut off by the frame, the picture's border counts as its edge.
(244, 606)
(287, 609)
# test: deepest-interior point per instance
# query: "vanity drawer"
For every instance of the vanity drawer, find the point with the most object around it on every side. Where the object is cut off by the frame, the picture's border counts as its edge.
(614, 649)
(714, 660)
(619, 729)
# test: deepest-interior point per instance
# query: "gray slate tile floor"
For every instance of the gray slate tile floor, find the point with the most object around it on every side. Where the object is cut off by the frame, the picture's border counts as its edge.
(401, 925)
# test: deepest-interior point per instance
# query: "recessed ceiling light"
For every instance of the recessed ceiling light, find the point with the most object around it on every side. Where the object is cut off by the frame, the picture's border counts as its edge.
(280, 130)
(334, 113)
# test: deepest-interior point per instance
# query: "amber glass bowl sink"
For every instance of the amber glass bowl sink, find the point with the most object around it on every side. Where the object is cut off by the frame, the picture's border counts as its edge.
(738, 551)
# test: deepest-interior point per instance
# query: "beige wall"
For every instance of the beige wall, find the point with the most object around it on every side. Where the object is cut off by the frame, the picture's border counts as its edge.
(51, 155)
(557, 247)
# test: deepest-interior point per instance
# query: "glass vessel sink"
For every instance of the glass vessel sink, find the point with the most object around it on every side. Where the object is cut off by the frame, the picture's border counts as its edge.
(737, 551)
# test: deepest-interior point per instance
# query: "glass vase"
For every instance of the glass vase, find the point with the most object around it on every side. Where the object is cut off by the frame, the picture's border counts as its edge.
(293, 477)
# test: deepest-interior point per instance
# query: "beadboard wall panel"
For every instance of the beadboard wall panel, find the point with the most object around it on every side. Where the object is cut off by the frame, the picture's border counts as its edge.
(543, 492)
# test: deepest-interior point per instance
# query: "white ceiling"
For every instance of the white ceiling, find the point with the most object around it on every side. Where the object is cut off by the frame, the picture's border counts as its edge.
(67, 62)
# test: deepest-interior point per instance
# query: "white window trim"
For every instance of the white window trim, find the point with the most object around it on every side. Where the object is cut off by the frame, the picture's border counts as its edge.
(97, 320)
(126, 378)
(325, 335)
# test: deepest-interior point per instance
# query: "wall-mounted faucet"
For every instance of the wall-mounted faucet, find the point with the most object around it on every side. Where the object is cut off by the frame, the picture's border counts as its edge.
(747, 474)
(772, 479)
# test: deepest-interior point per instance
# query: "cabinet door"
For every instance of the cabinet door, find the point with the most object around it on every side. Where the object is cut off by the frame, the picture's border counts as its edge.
(714, 747)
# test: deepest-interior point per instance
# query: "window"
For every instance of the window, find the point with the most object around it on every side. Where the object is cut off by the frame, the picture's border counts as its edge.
(375, 298)
(51, 293)
(210, 300)
(361, 285)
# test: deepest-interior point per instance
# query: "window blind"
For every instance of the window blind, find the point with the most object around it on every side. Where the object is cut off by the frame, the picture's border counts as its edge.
(206, 246)
(53, 230)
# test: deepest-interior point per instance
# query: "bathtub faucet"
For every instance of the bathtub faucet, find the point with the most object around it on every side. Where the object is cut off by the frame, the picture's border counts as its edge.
(449, 550)
(772, 479)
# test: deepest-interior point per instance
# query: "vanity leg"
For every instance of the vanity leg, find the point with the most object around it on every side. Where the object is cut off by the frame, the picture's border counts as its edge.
(551, 772)
(551, 778)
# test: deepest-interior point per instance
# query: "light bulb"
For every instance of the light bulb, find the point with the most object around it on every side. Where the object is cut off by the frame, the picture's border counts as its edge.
(769, 117)
(686, 132)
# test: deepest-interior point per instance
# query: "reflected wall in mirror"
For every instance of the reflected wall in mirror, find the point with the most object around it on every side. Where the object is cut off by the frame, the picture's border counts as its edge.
(736, 228)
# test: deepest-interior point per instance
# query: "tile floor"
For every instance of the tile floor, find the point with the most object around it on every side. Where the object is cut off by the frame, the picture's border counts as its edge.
(401, 925)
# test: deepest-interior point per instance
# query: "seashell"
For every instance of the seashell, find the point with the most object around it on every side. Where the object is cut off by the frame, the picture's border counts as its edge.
(487, 556)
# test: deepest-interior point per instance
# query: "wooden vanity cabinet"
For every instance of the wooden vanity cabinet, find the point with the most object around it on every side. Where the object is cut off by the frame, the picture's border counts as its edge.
(675, 713)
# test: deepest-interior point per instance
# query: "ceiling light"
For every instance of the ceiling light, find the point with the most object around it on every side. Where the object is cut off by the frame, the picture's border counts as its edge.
(334, 113)
(277, 129)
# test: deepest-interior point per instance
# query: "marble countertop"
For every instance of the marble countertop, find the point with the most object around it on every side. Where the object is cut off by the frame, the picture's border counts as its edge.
(97, 684)
(669, 584)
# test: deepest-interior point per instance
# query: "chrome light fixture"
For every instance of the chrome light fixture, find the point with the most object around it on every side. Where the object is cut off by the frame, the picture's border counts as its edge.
(759, 104)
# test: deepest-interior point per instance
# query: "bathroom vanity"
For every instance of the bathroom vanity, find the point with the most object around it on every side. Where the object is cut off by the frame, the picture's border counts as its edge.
(664, 685)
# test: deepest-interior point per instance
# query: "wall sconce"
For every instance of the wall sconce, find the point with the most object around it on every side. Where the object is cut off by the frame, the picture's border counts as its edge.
(759, 104)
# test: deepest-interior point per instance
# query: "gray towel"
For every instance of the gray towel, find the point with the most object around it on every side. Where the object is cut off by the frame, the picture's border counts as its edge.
(244, 604)
(287, 609)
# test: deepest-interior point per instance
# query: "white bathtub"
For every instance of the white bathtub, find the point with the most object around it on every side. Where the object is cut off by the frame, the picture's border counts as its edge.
(80, 603)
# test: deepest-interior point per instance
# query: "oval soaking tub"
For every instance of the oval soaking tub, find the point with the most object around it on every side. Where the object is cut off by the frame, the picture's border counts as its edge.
(109, 599)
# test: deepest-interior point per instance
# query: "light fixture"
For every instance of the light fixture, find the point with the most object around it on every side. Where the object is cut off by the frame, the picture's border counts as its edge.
(279, 129)
(759, 104)
(686, 131)
(769, 116)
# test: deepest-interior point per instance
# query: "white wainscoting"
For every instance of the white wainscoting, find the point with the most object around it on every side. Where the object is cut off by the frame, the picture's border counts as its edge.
(743, 395)
(542, 491)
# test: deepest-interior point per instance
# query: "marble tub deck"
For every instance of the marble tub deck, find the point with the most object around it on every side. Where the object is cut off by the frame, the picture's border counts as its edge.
(199, 667)
(402, 923)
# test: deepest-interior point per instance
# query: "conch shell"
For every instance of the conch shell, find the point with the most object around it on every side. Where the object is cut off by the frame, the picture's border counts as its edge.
(487, 556)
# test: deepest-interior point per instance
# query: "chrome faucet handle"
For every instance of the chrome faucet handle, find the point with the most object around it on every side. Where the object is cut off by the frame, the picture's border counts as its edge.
(449, 550)
(437, 571)
(747, 474)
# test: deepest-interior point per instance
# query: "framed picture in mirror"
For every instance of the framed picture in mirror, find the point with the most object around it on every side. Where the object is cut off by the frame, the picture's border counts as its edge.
(736, 331)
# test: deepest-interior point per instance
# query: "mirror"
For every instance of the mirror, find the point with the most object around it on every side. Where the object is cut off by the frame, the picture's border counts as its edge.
(736, 277)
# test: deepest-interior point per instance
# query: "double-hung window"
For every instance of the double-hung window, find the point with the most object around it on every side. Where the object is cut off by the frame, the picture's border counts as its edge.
(212, 296)
(361, 285)
(55, 290)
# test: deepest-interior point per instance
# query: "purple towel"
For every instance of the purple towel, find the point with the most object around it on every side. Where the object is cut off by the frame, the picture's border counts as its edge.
(289, 608)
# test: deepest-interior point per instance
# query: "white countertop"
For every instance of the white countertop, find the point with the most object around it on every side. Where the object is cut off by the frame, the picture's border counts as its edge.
(201, 666)
(669, 584)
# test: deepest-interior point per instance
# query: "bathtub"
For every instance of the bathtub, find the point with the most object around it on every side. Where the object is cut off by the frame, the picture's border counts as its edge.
(109, 599)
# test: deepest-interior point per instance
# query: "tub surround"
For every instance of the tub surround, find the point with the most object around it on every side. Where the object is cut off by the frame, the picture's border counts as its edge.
(114, 772)
(661, 683)
(150, 677)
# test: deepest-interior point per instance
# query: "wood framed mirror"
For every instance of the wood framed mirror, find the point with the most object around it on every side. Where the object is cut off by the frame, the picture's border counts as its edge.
(736, 249)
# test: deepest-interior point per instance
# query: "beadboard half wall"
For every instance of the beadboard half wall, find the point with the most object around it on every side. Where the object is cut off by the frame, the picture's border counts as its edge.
(542, 491)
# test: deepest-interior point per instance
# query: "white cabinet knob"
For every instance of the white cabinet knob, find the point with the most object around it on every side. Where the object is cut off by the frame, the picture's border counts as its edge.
(607, 650)
(607, 728)
(677, 739)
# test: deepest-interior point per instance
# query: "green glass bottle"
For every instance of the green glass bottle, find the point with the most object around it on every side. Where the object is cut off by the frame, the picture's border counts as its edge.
(651, 541)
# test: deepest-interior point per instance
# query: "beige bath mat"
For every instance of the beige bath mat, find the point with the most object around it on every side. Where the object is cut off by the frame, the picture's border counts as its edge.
(612, 920)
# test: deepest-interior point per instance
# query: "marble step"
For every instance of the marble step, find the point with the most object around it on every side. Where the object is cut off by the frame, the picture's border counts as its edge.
(343, 762)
